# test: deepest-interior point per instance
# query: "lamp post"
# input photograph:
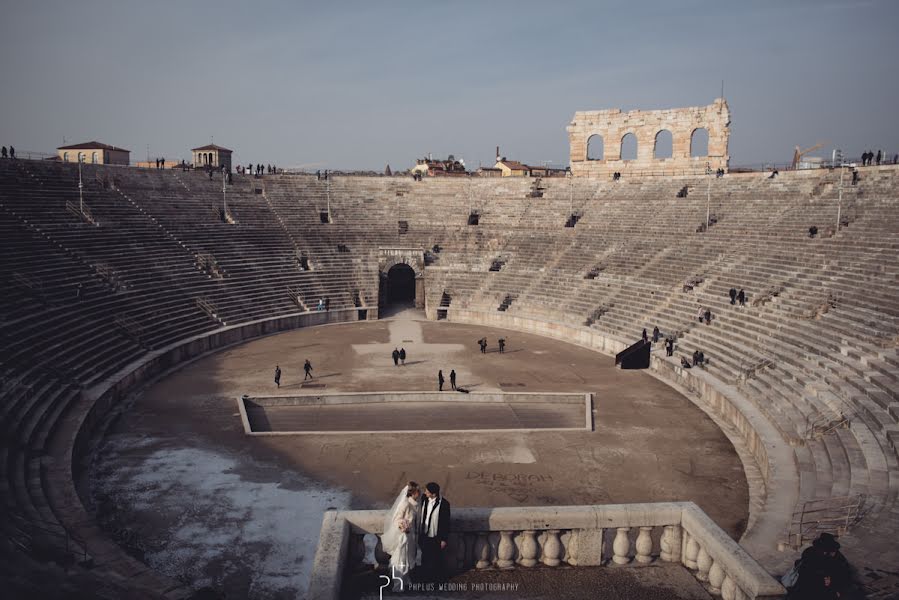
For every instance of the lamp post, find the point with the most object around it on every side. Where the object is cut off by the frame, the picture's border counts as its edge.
(840, 198)
(224, 197)
(80, 188)
(708, 196)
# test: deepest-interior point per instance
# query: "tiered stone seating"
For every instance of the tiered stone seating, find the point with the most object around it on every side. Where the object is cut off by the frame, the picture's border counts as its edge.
(157, 263)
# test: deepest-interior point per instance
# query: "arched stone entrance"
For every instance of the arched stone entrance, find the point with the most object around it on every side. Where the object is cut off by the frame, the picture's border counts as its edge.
(401, 276)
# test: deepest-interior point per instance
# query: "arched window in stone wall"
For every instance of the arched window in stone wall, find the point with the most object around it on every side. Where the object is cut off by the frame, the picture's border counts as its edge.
(629, 147)
(94, 157)
(699, 142)
(664, 146)
(81, 157)
(65, 157)
(595, 148)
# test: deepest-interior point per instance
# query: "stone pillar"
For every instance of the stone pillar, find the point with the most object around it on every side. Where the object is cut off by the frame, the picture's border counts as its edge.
(643, 546)
(505, 551)
(529, 549)
(420, 292)
(670, 543)
(552, 548)
(621, 547)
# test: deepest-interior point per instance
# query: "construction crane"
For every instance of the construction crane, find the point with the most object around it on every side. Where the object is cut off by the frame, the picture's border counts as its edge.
(798, 154)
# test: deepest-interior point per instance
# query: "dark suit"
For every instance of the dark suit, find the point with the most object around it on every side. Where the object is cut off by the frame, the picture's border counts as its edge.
(432, 556)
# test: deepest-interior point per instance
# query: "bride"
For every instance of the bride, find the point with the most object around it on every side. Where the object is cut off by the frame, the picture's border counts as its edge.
(400, 537)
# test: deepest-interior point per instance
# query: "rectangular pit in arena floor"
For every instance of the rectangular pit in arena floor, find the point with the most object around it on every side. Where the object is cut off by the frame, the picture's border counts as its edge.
(415, 411)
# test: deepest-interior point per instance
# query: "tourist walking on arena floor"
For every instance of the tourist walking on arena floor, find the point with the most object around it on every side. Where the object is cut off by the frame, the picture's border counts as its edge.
(502, 345)
(656, 334)
(483, 344)
(741, 297)
(733, 296)
(277, 376)
(402, 356)
(396, 357)
(440, 380)
(453, 379)
(308, 368)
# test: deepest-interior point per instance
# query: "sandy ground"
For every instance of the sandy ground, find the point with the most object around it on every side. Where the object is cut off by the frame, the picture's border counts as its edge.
(179, 484)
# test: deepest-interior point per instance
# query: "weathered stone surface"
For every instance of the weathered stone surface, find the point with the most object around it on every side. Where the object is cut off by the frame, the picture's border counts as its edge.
(613, 125)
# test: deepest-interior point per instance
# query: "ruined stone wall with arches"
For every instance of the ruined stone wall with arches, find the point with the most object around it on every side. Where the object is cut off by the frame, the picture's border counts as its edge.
(674, 141)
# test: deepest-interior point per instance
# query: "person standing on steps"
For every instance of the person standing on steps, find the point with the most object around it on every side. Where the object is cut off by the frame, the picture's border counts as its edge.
(741, 297)
(396, 357)
(278, 376)
(403, 356)
(308, 368)
(453, 379)
(669, 346)
(644, 336)
(656, 334)
(440, 380)
(733, 296)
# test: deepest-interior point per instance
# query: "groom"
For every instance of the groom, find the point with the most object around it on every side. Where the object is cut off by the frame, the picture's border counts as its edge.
(435, 523)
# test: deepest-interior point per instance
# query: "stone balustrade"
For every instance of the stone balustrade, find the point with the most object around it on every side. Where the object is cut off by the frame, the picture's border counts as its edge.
(525, 537)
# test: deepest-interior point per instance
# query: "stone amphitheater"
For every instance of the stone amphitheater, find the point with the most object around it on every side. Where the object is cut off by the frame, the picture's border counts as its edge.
(148, 275)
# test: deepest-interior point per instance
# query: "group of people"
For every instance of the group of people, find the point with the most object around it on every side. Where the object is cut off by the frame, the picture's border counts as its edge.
(656, 334)
(160, 163)
(399, 357)
(869, 158)
(258, 171)
(616, 175)
(323, 304)
(736, 296)
(322, 175)
(11, 153)
(416, 532)
(483, 344)
(307, 367)
(441, 380)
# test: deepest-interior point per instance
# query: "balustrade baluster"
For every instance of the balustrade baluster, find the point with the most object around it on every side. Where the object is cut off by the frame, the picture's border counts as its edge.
(621, 547)
(505, 550)
(529, 550)
(643, 546)
(703, 564)
(716, 578)
(552, 548)
(671, 543)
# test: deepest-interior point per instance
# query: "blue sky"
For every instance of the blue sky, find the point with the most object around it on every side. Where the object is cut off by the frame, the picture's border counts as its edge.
(364, 84)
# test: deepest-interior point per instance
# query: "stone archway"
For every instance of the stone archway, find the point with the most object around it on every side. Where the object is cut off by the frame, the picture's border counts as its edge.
(393, 282)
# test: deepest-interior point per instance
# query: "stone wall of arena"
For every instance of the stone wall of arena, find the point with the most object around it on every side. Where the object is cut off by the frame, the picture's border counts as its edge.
(612, 126)
(756, 439)
(90, 417)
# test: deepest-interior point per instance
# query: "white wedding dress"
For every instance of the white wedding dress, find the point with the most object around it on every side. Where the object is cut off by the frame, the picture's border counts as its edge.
(400, 538)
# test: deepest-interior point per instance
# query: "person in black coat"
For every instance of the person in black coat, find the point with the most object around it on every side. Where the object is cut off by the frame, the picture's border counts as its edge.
(741, 297)
(402, 356)
(733, 296)
(823, 571)
(396, 357)
(433, 533)
(656, 334)
(440, 380)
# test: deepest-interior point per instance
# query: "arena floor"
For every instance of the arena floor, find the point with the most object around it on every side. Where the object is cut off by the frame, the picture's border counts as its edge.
(178, 484)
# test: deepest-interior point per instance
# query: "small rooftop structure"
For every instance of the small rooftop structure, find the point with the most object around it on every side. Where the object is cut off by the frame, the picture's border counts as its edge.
(211, 155)
(94, 152)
